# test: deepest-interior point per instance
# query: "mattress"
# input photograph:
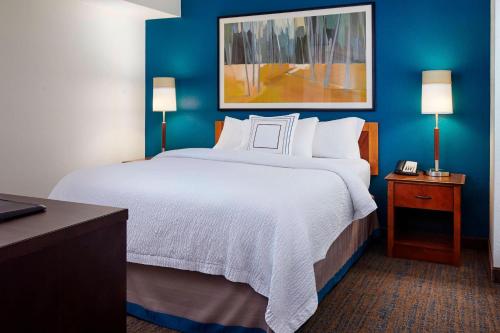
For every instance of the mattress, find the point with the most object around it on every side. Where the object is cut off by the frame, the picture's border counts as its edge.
(359, 167)
(195, 302)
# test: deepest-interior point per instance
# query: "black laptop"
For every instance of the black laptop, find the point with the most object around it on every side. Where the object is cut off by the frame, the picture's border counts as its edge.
(12, 209)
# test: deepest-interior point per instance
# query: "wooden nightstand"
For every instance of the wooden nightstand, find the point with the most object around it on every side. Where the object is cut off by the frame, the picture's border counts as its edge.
(147, 158)
(438, 194)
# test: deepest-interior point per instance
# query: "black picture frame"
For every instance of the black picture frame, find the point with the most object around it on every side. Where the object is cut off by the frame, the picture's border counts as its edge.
(306, 107)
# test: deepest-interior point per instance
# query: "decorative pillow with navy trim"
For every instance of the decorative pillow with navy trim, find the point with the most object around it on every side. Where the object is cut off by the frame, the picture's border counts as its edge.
(272, 134)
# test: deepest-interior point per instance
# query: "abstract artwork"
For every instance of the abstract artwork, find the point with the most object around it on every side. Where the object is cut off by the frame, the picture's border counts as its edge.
(314, 59)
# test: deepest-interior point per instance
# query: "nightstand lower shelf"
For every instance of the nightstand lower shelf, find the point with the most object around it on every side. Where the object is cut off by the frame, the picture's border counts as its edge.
(424, 246)
(425, 240)
(422, 253)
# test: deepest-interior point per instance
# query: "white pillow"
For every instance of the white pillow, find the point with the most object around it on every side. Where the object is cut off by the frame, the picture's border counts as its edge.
(245, 135)
(272, 134)
(304, 136)
(233, 134)
(338, 138)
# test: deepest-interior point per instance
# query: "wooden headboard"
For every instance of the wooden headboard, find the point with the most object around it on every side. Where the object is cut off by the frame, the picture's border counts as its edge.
(368, 143)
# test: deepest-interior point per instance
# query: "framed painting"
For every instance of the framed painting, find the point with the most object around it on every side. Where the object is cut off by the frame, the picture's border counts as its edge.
(304, 59)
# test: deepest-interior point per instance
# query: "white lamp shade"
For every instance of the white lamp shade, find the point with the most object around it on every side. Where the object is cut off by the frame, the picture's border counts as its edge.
(436, 92)
(164, 99)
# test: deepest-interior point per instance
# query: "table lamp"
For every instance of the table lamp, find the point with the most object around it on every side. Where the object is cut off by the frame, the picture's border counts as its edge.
(164, 101)
(436, 99)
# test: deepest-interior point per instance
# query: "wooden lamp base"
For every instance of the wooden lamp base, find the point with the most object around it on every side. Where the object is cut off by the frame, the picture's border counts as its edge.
(163, 135)
(436, 172)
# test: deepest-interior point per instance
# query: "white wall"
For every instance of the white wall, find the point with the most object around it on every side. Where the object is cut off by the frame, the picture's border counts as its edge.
(495, 135)
(146, 9)
(71, 91)
(167, 6)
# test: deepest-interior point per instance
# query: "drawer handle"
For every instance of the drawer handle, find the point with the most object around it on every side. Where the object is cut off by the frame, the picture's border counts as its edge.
(423, 197)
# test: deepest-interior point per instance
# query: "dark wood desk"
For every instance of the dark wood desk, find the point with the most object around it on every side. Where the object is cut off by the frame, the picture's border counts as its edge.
(63, 270)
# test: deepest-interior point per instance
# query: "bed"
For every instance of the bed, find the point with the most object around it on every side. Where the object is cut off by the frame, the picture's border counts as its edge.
(235, 241)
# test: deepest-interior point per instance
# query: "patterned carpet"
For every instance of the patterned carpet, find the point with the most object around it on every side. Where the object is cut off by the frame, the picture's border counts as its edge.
(381, 294)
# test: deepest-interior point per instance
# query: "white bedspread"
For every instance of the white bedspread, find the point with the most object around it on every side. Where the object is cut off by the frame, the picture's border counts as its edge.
(255, 218)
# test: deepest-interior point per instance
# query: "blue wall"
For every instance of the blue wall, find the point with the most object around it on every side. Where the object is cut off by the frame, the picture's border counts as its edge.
(410, 36)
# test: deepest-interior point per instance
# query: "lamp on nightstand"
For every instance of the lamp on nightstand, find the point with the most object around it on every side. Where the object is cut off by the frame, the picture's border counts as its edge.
(164, 100)
(436, 99)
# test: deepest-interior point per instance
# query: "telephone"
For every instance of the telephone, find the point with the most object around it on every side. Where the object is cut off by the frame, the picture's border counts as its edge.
(407, 168)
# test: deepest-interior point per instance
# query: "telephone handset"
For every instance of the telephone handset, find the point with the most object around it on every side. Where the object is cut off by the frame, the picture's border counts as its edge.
(407, 168)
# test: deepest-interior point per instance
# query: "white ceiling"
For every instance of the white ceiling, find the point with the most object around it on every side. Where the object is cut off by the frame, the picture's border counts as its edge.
(145, 9)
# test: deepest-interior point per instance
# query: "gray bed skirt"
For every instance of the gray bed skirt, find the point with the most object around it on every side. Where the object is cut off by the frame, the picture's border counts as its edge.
(196, 302)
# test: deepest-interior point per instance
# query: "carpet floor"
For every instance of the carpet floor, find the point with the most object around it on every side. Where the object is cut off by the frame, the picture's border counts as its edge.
(381, 294)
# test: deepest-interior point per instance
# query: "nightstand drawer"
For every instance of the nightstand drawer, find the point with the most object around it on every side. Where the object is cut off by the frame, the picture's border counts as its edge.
(434, 197)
